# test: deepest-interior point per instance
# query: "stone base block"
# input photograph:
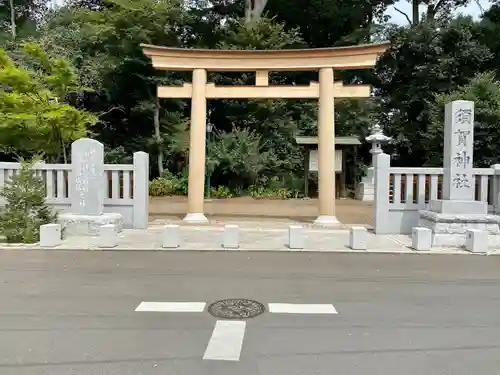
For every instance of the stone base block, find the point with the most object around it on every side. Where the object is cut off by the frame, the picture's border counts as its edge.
(421, 238)
(231, 237)
(476, 241)
(171, 236)
(296, 237)
(451, 229)
(108, 236)
(50, 235)
(195, 218)
(88, 225)
(327, 221)
(459, 207)
(358, 238)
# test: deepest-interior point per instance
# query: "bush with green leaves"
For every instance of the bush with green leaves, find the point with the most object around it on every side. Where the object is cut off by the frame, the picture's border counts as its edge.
(238, 157)
(275, 188)
(161, 187)
(169, 184)
(25, 209)
(179, 181)
(221, 192)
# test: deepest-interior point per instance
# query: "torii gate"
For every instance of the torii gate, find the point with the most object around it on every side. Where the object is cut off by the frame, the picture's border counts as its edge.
(199, 61)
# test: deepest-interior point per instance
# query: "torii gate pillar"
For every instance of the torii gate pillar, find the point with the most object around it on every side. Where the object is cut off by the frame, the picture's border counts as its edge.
(197, 149)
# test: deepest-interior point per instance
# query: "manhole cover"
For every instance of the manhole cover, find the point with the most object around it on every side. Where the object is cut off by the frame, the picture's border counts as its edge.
(236, 308)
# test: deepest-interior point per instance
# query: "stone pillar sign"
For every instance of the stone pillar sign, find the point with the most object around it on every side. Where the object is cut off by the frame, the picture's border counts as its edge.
(88, 177)
(458, 181)
(87, 192)
(451, 217)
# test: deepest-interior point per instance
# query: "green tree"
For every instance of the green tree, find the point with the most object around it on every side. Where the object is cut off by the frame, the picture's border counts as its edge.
(19, 18)
(35, 113)
(105, 47)
(434, 10)
(321, 23)
(25, 210)
(276, 122)
(238, 158)
(489, 29)
(424, 61)
(484, 91)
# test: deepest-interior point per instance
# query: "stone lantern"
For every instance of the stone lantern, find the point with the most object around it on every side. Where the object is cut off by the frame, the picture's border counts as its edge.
(366, 190)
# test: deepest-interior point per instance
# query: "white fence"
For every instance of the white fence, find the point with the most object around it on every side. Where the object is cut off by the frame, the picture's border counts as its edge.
(401, 192)
(126, 193)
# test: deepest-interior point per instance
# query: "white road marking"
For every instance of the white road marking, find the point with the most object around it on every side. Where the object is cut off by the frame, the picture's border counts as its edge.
(171, 306)
(298, 308)
(226, 341)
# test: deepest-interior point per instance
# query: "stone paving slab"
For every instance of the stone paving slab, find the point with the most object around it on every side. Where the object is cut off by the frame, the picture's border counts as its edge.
(209, 238)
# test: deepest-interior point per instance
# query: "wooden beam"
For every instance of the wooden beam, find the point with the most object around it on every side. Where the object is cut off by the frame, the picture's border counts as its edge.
(175, 92)
(264, 92)
(344, 58)
(261, 78)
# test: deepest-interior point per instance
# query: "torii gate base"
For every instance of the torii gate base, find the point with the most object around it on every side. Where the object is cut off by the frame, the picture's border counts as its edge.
(262, 62)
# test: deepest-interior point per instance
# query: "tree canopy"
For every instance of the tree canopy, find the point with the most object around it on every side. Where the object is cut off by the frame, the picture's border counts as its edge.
(96, 43)
(36, 113)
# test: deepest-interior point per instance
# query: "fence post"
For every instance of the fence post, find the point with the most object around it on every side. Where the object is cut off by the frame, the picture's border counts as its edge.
(141, 190)
(382, 164)
(495, 195)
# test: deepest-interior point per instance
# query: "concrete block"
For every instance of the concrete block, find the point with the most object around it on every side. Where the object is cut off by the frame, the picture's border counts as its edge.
(476, 241)
(108, 235)
(50, 235)
(231, 238)
(296, 238)
(171, 236)
(421, 238)
(358, 237)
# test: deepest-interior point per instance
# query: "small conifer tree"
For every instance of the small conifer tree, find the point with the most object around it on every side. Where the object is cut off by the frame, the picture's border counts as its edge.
(25, 210)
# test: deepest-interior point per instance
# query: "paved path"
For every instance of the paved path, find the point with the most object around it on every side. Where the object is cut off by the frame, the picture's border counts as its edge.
(268, 236)
(70, 312)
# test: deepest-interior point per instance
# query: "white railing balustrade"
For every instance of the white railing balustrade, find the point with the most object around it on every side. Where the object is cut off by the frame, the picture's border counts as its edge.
(401, 192)
(124, 193)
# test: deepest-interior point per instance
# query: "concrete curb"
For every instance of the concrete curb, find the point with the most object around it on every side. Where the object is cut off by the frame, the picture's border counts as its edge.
(183, 249)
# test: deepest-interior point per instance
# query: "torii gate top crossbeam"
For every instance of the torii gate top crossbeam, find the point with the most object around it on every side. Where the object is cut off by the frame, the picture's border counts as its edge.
(351, 57)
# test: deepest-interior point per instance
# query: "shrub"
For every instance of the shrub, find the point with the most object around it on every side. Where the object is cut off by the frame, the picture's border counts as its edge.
(221, 192)
(179, 182)
(261, 192)
(25, 210)
(274, 188)
(161, 187)
(238, 191)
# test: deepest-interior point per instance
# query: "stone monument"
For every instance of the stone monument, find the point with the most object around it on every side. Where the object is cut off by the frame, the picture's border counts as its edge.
(87, 191)
(366, 188)
(449, 218)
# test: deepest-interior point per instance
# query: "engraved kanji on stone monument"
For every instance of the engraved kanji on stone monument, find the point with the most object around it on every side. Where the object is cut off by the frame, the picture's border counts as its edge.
(87, 185)
(458, 181)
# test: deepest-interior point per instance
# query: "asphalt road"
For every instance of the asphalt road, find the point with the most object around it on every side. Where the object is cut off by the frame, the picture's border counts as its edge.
(64, 313)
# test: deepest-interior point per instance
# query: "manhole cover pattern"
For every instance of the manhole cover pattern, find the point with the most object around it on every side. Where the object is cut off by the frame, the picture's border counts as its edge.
(236, 308)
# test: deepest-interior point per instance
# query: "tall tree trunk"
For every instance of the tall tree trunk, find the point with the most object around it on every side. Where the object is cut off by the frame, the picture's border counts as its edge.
(12, 19)
(254, 10)
(156, 121)
(430, 13)
(415, 13)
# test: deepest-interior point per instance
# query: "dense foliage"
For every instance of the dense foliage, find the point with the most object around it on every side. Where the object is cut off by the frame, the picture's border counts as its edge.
(35, 113)
(25, 210)
(96, 44)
